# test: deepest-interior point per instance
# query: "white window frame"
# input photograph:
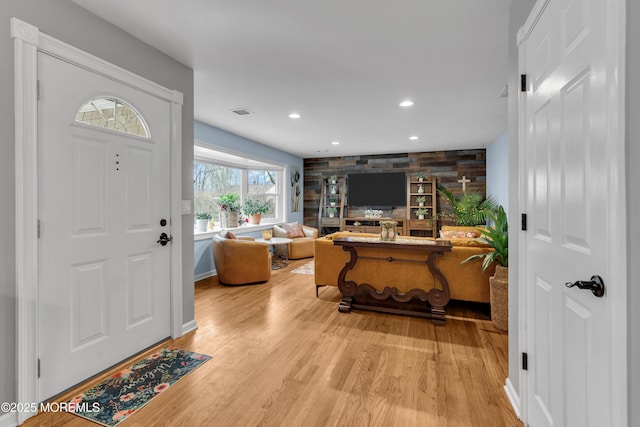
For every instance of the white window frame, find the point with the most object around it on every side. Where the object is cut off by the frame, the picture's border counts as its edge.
(205, 152)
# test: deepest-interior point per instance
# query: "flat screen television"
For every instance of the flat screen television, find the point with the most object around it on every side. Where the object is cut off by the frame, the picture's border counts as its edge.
(377, 190)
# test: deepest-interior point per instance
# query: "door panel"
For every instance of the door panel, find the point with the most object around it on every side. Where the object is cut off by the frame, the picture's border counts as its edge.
(565, 145)
(104, 293)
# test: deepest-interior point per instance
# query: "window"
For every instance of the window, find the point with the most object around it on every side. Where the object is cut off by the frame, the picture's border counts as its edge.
(216, 173)
(114, 114)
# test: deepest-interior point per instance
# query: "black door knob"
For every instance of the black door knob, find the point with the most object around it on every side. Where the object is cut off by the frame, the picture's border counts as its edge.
(164, 239)
(595, 285)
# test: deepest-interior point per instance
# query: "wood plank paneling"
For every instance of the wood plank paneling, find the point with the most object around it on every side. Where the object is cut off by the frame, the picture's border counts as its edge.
(447, 166)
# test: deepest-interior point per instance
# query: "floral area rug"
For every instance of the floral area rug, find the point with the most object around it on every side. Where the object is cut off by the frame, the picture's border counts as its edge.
(307, 269)
(116, 398)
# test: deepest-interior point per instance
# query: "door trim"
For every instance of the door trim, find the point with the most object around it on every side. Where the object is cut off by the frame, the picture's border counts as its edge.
(616, 223)
(28, 41)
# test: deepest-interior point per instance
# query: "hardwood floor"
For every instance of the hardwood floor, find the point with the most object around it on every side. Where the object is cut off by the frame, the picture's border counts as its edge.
(281, 357)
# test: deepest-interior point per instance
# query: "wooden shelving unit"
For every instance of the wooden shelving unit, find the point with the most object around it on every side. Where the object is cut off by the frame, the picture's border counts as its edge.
(426, 188)
(332, 191)
(370, 225)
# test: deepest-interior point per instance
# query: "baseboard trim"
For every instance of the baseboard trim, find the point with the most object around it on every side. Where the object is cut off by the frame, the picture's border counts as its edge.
(9, 420)
(188, 327)
(512, 394)
(206, 275)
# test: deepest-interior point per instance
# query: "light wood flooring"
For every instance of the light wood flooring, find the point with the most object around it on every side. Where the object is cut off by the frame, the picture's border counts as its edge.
(281, 357)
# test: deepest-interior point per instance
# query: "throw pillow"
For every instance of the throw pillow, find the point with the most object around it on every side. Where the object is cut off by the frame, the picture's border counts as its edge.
(293, 229)
(459, 234)
(231, 236)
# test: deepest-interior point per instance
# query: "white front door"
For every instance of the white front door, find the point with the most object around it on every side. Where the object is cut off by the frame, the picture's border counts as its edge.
(104, 291)
(569, 156)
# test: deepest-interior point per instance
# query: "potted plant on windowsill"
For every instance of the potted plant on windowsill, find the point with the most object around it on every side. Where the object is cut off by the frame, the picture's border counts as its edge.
(497, 237)
(202, 219)
(331, 211)
(229, 208)
(254, 209)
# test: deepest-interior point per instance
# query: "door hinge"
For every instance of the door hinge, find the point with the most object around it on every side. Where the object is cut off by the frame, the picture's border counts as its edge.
(523, 82)
(525, 362)
(38, 229)
(38, 367)
(523, 222)
(38, 89)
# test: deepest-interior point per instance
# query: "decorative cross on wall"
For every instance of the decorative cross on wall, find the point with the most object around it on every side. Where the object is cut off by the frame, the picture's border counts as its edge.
(464, 181)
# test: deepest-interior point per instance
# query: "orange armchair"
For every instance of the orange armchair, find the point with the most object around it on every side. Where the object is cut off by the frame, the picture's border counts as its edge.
(240, 262)
(300, 247)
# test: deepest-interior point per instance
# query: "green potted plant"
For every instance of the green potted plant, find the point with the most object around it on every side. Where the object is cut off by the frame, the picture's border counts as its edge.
(333, 179)
(229, 208)
(497, 236)
(421, 212)
(331, 211)
(202, 219)
(254, 209)
(421, 200)
(420, 175)
(469, 208)
(333, 200)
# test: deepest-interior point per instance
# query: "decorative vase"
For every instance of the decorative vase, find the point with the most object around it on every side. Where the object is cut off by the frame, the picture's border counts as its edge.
(420, 179)
(202, 225)
(255, 218)
(331, 215)
(499, 297)
(420, 189)
(333, 203)
(228, 219)
(211, 225)
(333, 190)
(267, 234)
(420, 203)
(388, 230)
(420, 216)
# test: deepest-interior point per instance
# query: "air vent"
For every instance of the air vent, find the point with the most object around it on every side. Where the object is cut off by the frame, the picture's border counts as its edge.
(241, 111)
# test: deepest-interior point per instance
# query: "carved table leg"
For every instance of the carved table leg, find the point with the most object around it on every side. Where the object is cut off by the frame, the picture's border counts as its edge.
(438, 298)
(345, 305)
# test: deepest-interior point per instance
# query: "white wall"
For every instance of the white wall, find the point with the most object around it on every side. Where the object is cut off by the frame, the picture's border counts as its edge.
(68, 22)
(633, 206)
(498, 170)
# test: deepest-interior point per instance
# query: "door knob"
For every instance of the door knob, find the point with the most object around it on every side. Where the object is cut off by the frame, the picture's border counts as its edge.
(596, 285)
(164, 239)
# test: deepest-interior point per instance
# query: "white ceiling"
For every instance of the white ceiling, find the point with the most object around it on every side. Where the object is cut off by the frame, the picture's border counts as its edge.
(344, 65)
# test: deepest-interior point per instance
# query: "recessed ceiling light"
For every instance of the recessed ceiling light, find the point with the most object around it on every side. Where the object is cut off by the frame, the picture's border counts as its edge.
(406, 103)
(294, 116)
(335, 143)
(413, 138)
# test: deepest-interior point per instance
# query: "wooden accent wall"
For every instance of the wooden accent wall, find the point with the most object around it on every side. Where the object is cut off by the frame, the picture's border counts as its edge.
(447, 166)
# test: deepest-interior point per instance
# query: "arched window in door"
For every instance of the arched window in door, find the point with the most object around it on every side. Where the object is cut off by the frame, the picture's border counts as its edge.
(114, 114)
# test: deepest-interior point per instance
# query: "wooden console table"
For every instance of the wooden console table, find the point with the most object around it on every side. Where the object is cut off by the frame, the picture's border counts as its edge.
(391, 300)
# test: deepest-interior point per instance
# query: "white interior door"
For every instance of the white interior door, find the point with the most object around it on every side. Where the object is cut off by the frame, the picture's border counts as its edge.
(104, 291)
(567, 180)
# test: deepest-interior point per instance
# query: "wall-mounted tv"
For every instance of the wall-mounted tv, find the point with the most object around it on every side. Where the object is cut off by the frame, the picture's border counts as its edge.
(377, 190)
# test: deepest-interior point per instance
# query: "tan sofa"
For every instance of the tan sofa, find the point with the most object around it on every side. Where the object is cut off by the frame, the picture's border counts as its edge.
(241, 261)
(467, 282)
(300, 247)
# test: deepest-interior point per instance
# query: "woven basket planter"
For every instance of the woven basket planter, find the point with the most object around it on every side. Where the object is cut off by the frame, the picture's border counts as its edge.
(499, 287)
(228, 219)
